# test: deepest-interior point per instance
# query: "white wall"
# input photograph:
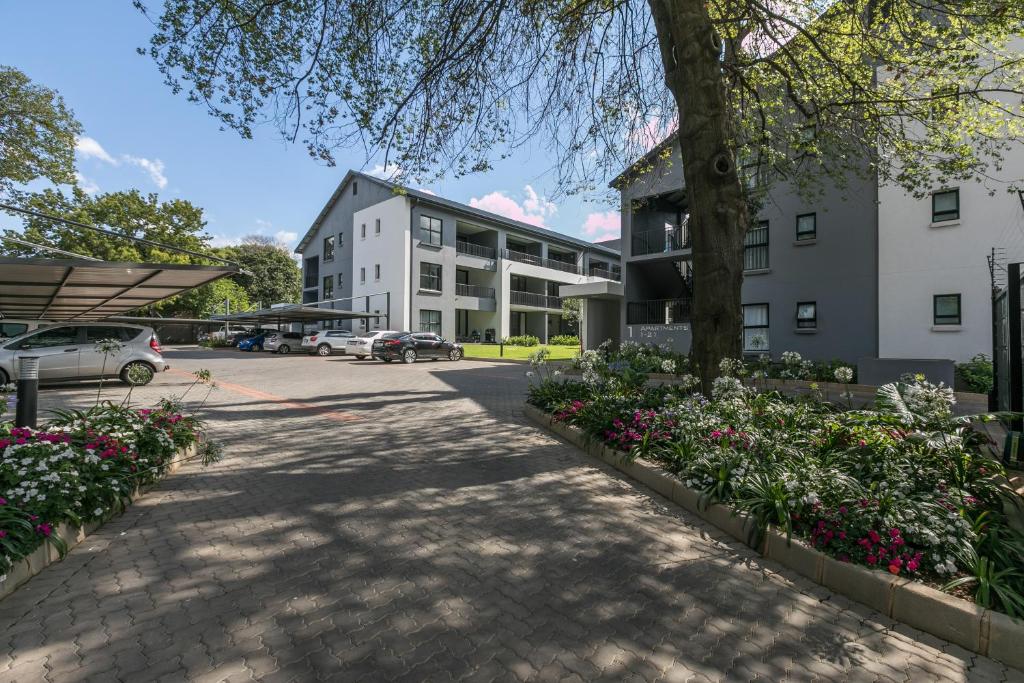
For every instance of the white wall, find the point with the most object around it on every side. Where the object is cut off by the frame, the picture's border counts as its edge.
(391, 249)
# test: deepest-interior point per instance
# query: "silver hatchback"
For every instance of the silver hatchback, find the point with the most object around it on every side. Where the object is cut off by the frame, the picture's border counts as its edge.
(71, 352)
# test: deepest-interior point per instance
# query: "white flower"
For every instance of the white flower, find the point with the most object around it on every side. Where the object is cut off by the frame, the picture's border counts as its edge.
(668, 366)
(529, 373)
(844, 375)
(98, 511)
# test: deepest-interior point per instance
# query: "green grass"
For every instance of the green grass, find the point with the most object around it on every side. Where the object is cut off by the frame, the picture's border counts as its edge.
(518, 352)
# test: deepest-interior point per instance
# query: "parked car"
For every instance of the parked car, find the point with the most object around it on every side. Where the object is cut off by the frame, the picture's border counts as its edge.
(218, 334)
(282, 342)
(409, 346)
(67, 352)
(238, 337)
(253, 343)
(326, 342)
(362, 346)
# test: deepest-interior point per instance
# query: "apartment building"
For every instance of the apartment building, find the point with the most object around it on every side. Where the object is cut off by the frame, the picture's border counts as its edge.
(868, 271)
(428, 263)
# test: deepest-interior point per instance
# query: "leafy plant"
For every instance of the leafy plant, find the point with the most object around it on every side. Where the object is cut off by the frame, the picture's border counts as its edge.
(977, 374)
(521, 340)
(564, 340)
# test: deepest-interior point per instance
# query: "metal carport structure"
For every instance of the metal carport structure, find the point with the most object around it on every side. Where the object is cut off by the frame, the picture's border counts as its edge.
(296, 314)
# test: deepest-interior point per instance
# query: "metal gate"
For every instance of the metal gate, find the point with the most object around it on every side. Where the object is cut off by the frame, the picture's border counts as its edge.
(1008, 359)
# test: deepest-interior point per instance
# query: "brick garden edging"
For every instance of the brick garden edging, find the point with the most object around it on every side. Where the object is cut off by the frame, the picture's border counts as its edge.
(925, 608)
(46, 554)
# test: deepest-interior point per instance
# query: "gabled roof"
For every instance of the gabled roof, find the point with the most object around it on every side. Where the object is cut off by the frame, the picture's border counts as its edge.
(658, 149)
(458, 207)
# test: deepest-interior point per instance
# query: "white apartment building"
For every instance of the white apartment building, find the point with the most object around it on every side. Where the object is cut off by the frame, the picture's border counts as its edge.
(427, 263)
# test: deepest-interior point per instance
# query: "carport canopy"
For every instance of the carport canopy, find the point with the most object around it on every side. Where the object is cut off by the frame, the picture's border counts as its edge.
(81, 289)
(294, 314)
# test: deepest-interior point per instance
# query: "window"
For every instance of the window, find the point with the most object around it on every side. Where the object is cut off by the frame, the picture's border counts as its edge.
(430, 230)
(376, 227)
(376, 271)
(329, 248)
(806, 227)
(946, 206)
(362, 231)
(341, 239)
(362, 275)
(430, 321)
(12, 329)
(430, 276)
(328, 292)
(755, 328)
(807, 315)
(947, 309)
(355, 187)
(755, 247)
(95, 333)
(341, 280)
(48, 338)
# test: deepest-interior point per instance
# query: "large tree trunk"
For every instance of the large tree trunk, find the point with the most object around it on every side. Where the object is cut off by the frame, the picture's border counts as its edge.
(691, 50)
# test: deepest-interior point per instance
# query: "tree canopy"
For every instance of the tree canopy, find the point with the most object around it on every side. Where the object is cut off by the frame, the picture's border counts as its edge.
(276, 277)
(37, 133)
(917, 92)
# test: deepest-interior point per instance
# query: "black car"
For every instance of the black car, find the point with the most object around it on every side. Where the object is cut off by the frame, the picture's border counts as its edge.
(408, 346)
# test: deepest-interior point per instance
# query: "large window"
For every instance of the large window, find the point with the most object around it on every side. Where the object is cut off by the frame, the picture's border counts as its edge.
(807, 315)
(430, 321)
(755, 247)
(96, 333)
(806, 227)
(946, 309)
(12, 329)
(328, 292)
(430, 276)
(946, 206)
(48, 338)
(329, 248)
(430, 230)
(755, 328)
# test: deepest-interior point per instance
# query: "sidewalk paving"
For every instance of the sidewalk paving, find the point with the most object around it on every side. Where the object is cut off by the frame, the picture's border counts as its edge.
(432, 536)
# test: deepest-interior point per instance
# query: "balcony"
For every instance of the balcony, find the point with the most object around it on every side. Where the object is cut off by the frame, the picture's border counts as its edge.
(312, 280)
(606, 274)
(470, 249)
(474, 290)
(522, 257)
(658, 312)
(660, 241)
(534, 300)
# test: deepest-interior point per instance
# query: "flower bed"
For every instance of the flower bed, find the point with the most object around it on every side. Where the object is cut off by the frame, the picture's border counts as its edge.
(904, 488)
(80, 468)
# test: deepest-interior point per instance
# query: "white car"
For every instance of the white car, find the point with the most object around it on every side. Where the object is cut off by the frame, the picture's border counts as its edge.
(326, 342)
(362, 346)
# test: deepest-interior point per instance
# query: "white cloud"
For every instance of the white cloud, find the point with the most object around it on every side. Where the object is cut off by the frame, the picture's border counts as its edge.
(154, 167)
(286, 237)
(388, 172)
(534, 209)
(89, 148)
(87, 186)
(602, 225)
(225, 241)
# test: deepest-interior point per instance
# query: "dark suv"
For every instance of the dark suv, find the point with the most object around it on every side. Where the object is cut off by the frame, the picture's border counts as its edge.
(408, 346)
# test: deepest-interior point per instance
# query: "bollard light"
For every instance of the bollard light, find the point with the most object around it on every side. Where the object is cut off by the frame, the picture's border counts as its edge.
(28, 392)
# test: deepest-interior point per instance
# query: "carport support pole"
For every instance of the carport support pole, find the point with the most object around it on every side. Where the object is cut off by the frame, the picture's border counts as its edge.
(25, 414)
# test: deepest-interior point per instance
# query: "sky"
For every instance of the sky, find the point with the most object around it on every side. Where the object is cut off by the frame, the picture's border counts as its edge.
(137, 134)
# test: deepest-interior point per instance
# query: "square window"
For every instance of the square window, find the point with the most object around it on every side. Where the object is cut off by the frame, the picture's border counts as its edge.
(430, 230)
(430, 321)
(945, 206)
(430, 276)
(807, 315)
(946, 308)
(755, 328)
(806, 227)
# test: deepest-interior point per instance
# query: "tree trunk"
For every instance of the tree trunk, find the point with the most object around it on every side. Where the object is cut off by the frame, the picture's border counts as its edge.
(691, 54)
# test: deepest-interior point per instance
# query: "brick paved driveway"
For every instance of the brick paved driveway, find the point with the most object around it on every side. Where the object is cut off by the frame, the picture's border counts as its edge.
(377, 522)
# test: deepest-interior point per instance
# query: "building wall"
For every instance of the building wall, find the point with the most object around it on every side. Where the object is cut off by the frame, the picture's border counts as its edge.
(390, 249)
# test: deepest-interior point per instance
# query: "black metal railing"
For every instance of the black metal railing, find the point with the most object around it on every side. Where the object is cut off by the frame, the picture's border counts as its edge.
(606, 274)
(470, 249)
(523, 257)
(312, 280)
(534, 299)
(474, 290)
(660, 241)
(658, 312)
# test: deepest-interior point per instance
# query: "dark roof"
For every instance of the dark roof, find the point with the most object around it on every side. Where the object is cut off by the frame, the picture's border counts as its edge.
(80, 289)
(667, 142)
(459, 207)
(294, 314)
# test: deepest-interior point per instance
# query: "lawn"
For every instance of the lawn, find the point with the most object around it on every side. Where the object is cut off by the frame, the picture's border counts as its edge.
(518, 352)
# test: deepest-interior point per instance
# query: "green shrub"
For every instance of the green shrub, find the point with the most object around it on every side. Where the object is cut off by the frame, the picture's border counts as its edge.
(976, 374)
(521, 340)
(564, 340)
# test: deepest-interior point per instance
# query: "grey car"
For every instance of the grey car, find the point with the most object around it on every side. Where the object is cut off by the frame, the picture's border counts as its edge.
(68, 352)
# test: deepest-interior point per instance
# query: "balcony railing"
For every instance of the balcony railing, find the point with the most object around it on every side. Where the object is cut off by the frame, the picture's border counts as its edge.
(474, 290)
(606, 274)
(470, 249)
(533, 299)
(312, 280)
(658, 312)
(660, 241)
(523, 257)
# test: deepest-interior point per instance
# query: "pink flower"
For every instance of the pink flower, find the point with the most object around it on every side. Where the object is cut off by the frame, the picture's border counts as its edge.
(912, 566)
(873, 535)
(872, 559)
(3, 501)
(44, 529)
(3, 534)
(716, 434)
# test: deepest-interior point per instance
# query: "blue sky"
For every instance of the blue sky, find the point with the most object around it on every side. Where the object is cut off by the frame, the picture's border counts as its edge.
(138, 134)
